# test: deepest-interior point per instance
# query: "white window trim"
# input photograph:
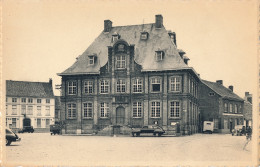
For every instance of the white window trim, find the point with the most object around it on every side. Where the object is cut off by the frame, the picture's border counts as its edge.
(160, 107)
(120, 63)
(87, 85)
(91, 59)
(87, 110)
(106, 110)
(159, 55)
(72, 109)
(48, 111)
(72, 86)
(105, 85)
(170, 107)
(175, 83)
(137, 84)
(139, 109)
(157, 81)
(120, 83)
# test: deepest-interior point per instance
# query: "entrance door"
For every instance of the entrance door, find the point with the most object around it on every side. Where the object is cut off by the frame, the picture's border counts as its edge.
(120, 115)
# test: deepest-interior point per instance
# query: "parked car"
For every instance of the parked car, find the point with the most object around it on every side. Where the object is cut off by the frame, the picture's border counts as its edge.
(208, 126)
(154, 129)
(10, 137)
(28, 129)
(55, 129)
(239, 130)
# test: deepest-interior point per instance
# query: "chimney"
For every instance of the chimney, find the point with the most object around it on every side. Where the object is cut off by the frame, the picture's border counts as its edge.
(50, 81)
(246, 93)
(158, 21)
(107, 25)
(219, 82)
(231, 88)
(248, 97)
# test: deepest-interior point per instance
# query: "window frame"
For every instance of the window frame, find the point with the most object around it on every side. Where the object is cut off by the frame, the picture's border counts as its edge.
(226, 109)
(87, 86)
(72, 89)
(39, 110)
(30, 100)
(235, 109)
(47, 110)
(105, 86)
(120, 62)
(30, 110)
(104, 110)
(23, 100)
(87, 110)
(137, 109)
(120, 86)
(137, 85)
(159, 55)
(39, 101)
(230, 107)
(175, 110)
(48, 101)
(91, 60)
(14, 100)
(154, 109)
(173, 85)
(14, 110)
(71, 111)
(155, 81)
(23, 109)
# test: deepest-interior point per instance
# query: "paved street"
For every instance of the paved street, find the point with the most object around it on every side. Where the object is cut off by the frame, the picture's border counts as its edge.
(42, 148)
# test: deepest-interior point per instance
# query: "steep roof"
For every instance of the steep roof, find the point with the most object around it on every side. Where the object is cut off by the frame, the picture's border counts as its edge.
(29, 89)
(158, 39)
(221, 90)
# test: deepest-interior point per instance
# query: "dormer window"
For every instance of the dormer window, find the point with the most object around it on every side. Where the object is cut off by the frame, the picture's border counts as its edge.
(115, 37)
(91, 60)
(159, 55)
(144, 35)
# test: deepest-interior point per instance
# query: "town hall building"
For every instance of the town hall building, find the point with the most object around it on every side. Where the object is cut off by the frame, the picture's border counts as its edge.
(130, 76)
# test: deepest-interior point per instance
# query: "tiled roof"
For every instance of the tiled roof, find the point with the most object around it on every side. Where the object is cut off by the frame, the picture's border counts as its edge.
(29, 89)
(158, 39)
(222, 90)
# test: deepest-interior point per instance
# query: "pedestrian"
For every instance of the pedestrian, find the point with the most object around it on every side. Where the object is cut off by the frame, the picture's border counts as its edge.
(248, 136)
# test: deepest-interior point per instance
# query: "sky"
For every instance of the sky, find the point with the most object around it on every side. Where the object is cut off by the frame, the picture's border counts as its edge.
(43, 38)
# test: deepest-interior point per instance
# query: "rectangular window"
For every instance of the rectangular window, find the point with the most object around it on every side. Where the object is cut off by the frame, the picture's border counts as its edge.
(159, 55)
(48, 101)
(156, 84)
(71, 110)
(47, 123)
(120, 62)
(23, 109)
(14, 109)
(14, 100)
(104, 110)
(39, 110)
(30, 110)
(88, 87)
(91, 60)
(87, 110)
(13, 122)
(39, 100)
(175, 84)
(47, 111)
(230, 108)
(120, 86)
(175, 109)
(226, 107)
(236, 108)
(6, 109)
(216, 123)
(137, 109)
(39, 123)
(156, 109)
(23, 100)
(30, 100)
(104, 85)
(72, 87)
(138, 86)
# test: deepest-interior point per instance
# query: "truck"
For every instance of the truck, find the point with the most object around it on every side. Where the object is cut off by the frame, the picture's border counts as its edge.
(154, 129)
(208, 126)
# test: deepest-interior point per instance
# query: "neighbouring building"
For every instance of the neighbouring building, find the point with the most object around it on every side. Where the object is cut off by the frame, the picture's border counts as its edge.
(221, 105)
(29, 104)
(130, 76)
(248, 110)
(57, 109)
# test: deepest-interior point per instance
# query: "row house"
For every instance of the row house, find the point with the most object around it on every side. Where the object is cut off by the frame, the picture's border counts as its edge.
(29, 104)
(130, 76)
(248, 107)
(221, 105)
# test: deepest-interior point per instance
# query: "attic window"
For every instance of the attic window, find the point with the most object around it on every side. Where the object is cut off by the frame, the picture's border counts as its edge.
(91, 60)
(144, 35)
(159, 55)
(115, 37)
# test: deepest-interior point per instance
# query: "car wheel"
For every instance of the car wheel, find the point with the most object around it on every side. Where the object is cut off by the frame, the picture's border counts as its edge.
(8, 142)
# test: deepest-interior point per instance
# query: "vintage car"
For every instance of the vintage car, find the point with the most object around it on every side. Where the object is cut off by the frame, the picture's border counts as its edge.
(239, 130)
(28, 129)
(55, 129)
(10, 137)
(154, 129)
